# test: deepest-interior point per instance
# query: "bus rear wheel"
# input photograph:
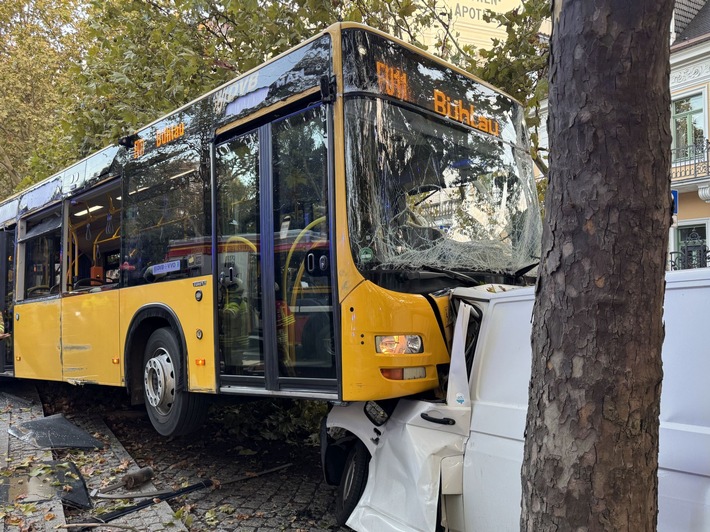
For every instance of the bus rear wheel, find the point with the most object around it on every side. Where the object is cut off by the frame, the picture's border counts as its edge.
(172, 411)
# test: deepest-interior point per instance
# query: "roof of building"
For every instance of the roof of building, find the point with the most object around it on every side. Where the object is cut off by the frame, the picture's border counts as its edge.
(688, 26)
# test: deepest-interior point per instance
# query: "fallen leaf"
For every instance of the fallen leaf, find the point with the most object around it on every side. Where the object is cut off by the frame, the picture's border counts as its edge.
(247, 452)
(13, 520)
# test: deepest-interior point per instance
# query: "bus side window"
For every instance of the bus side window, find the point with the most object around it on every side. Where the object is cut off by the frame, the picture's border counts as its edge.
(42, 245)
(94, 238)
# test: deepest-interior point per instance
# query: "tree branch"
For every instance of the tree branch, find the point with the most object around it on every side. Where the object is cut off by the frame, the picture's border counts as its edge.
(6, 163)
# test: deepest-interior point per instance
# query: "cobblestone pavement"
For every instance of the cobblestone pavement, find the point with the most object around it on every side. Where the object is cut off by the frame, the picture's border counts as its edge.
(19, 403)
(294, 498)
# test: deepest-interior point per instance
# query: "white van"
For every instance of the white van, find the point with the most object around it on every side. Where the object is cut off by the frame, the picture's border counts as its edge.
(421, 463)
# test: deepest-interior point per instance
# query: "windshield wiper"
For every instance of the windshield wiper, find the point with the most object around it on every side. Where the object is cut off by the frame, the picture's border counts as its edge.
(451, 274)
(526, 269)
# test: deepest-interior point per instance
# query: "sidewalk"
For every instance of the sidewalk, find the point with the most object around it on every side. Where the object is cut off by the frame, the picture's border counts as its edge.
(19, 403)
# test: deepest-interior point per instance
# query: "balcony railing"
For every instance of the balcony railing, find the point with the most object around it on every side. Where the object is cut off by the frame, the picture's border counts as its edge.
(688, 162)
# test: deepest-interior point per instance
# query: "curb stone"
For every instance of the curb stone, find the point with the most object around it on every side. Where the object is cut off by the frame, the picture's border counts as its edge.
(114, 457)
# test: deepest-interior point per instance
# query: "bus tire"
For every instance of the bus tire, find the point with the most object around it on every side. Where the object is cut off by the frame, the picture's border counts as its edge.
(172, 412)
(352, 482)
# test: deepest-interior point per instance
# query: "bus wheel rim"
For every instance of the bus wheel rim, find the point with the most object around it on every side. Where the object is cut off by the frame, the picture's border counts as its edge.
(159, 381)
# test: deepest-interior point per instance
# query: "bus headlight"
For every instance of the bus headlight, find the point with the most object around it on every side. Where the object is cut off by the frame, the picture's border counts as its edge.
(401, 344)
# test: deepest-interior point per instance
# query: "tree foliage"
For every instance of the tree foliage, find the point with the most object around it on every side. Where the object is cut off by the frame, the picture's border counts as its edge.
(148, 58)
(111, 66)
(38, 43)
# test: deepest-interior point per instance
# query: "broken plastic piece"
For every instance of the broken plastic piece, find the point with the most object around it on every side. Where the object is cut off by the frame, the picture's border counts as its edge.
(45, 481)
(54, 432)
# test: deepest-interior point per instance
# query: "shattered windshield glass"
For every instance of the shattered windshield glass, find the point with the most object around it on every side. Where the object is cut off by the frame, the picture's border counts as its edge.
(427, 193)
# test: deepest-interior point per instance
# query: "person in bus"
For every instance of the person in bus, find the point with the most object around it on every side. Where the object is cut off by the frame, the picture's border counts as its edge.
(235, 319)
(132, 265)
(3, 334)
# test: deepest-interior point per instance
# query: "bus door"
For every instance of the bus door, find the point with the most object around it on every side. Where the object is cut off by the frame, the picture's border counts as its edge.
(239, 306)
(90, 298)
(7, 280)
(36, 327)
(275, 301)
(303, 297)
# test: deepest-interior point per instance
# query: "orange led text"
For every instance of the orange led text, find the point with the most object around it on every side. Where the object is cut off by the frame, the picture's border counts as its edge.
(138, 148)
(392, 81)
(464, 113)
(169, 134)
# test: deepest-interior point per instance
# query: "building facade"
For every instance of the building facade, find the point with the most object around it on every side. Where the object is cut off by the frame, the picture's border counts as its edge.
(690, 128)
(690, 172)
(466, 23)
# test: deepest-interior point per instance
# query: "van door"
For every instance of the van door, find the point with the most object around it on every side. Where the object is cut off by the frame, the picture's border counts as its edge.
(420, 450)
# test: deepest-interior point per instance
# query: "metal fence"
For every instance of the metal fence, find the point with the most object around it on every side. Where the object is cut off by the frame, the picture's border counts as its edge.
(690, 161)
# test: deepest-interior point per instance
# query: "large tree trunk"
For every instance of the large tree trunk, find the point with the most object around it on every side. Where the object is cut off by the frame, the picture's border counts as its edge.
(591, 450)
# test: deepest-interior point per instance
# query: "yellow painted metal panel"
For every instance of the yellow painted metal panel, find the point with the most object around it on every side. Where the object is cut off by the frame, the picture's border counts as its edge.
(36, 340)
(193, 315)
(90, 345)
(348, 277)
(370, 311)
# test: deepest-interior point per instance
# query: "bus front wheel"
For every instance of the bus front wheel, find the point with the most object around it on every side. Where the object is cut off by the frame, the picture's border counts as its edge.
(172, 412)
(352, 482)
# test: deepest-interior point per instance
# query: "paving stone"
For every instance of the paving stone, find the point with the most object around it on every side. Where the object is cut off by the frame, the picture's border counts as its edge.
(108, 466)
(294, 499)
(19, 403)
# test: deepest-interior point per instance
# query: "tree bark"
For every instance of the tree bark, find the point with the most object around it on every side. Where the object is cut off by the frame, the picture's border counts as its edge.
(591, 448)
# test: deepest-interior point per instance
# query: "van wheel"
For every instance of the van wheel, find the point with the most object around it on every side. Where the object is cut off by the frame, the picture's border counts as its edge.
(171, 411)
(352, 482)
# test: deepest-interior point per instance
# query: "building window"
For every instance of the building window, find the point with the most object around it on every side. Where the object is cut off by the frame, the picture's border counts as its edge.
(688, 126)
(691, 247)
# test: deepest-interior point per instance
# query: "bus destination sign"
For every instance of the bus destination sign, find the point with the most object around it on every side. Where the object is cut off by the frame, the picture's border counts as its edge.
(163, 136)
(400, 73)
(393, 81)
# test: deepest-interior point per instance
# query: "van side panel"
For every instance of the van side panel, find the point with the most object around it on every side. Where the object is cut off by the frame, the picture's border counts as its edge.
(499, 400)
(684, 447)
(499, 394)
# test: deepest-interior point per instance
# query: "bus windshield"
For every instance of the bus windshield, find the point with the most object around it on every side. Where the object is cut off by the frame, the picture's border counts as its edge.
(427, 193)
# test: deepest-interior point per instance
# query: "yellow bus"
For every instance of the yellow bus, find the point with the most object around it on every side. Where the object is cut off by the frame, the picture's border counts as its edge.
(295, 232)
